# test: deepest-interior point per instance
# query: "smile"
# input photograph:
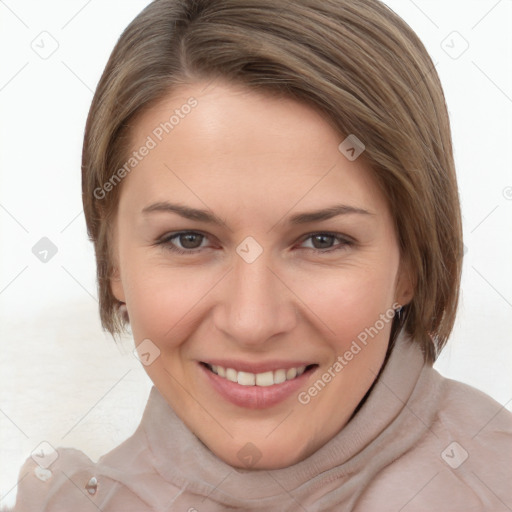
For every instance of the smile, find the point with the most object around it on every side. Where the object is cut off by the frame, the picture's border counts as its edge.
(263, 379)
(265, 386)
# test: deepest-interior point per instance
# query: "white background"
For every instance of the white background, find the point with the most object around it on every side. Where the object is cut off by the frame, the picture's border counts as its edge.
(62, 379)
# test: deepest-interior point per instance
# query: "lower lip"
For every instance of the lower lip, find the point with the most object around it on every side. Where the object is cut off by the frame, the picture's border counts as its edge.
(255, 397)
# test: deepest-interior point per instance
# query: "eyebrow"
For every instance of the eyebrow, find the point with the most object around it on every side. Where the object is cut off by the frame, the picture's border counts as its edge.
(209, 217)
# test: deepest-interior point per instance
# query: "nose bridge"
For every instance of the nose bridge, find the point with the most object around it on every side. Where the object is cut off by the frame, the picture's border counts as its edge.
(254, 305)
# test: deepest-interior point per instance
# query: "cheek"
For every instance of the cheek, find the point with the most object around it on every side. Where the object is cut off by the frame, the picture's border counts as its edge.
(164, 301)
(349, 300)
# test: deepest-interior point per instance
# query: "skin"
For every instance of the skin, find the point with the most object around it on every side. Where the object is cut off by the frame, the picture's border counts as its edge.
(255, 160)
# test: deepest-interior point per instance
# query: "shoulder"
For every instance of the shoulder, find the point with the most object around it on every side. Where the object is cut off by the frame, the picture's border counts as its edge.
(477, 431)
(64, 473)
(462, 404)
(473, 434)
(68, 480)
(480, 425)
(463, 460)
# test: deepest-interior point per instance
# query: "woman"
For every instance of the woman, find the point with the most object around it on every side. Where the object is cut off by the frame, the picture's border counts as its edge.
(271, 193)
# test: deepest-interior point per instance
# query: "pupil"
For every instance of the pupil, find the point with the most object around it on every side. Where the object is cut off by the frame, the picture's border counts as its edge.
(189, 240)
(324, 241)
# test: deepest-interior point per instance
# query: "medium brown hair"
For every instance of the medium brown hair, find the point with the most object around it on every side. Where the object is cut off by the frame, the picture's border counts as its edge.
(354, 60)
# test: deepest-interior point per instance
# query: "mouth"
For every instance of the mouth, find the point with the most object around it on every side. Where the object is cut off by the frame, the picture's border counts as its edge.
(262, 379)
(256, 390)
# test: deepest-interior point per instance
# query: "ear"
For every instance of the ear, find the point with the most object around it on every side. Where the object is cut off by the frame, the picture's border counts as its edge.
(115, 281)
(405, 282)
(116, 285)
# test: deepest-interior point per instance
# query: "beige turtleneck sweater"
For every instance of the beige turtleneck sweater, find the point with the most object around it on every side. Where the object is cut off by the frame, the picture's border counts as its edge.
(420, 442)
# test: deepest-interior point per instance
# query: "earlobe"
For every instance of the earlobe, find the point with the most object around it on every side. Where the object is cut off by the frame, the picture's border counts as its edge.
(405, 298)
(406, 283)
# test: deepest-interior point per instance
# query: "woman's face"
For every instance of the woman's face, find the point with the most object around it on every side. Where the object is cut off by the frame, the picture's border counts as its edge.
(251, 250)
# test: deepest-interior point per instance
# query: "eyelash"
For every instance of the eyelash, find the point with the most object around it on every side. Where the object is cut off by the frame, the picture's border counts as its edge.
(166, 242)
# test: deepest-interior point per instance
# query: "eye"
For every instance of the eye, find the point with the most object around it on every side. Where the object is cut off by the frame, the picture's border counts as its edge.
(185, 242)
(193, 242)
(325, 242)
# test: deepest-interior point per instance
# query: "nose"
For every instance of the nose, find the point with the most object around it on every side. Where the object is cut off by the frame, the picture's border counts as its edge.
(254, 305)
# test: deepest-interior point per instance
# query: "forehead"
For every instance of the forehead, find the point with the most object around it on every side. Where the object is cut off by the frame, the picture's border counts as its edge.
(226, 142)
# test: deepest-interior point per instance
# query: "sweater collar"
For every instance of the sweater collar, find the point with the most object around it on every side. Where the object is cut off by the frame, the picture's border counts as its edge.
(182, 459)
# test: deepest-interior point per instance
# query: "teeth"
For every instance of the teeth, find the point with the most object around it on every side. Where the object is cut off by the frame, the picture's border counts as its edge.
(246, 379)
(279, 376)
(257, 379)
(291, 373)
(231, 375)
(265, 379)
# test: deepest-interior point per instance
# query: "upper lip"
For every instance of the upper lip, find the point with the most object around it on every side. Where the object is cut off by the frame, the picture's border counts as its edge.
(254, 367)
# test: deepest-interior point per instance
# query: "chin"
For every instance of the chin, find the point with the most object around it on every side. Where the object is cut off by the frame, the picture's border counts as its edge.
(271, 456)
